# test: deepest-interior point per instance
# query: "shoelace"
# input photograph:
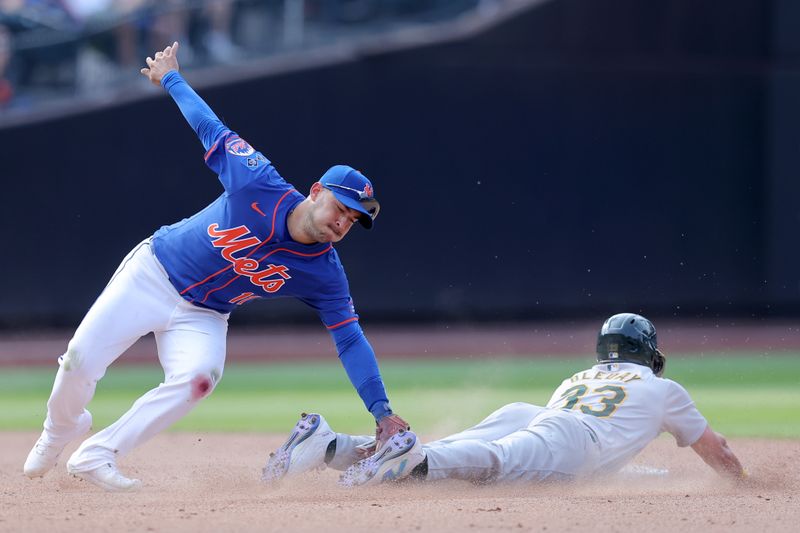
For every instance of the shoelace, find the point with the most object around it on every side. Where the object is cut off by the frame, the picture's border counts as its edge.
(41, 446)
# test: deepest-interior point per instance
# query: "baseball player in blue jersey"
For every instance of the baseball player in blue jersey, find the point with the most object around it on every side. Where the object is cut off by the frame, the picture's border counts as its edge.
(259, 239)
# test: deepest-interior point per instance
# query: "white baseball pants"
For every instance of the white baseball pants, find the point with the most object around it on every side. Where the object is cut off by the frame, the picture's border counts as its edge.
(191, 348)
(518, 442)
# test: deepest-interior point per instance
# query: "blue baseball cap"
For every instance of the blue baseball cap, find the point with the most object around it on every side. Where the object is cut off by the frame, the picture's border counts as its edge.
(354, 190)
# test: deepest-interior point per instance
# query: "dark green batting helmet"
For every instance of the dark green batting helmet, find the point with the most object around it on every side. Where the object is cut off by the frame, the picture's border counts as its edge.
(630, 338)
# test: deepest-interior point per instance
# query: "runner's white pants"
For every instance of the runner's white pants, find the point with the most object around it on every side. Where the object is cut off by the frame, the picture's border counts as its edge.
(191, 348)
(518, 442)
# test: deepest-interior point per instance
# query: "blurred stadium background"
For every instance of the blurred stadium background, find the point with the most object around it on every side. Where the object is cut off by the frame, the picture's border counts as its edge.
(541, 164)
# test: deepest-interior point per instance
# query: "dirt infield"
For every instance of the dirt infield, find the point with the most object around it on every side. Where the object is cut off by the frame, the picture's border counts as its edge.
(209, 482)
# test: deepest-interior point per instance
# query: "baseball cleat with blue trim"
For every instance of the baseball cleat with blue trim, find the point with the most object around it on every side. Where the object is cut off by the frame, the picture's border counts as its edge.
(304, 450)
(394, 461)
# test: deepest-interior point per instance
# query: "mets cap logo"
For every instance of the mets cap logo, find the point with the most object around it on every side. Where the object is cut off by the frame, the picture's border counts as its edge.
(367, 191)
(238, 146)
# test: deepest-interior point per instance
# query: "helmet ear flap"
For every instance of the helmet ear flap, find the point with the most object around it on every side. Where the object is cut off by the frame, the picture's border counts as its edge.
(659, 362)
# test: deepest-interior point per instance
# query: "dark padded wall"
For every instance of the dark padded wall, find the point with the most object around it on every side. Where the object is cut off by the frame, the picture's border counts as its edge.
(782, 139)
(580, 158)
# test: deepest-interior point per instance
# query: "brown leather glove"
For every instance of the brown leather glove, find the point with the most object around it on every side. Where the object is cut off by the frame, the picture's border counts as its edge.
(388, 426)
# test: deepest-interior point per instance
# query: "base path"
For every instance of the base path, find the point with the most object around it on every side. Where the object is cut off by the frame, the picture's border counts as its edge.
(210, 482)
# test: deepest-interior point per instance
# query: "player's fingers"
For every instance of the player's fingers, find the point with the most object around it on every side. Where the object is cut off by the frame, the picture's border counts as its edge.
(363, 453)
(149, 61)
(159, 55)
(175, 48)
(145, 71)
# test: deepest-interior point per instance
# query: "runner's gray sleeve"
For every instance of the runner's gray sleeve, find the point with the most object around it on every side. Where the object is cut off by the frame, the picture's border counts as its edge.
(681, 417)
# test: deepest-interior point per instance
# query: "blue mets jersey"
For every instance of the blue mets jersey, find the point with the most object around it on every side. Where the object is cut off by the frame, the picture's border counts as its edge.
(239, 249)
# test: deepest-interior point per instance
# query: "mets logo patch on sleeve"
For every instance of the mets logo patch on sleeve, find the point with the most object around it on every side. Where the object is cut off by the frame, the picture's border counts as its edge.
(238, 146)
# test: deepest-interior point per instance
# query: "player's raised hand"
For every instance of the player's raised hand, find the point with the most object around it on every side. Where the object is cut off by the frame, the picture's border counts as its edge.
(164, 62)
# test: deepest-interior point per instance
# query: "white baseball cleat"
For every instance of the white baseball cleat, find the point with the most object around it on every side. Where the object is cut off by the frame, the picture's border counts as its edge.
(44, 454)
(304, 450)
(107, 477)
(395, 460)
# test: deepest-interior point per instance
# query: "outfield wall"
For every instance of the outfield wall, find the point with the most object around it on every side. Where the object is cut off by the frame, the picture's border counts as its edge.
(575, 160)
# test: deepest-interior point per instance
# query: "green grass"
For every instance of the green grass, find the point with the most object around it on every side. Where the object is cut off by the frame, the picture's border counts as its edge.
(754, 395)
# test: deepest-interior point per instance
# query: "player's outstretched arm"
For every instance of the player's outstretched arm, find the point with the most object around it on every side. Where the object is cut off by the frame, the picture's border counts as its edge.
(713, 449)
(361, 366)
(163, 70)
